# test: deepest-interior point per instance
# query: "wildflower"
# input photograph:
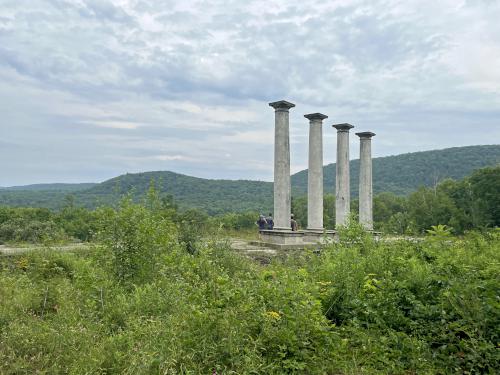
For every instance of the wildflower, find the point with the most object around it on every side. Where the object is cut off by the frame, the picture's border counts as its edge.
(324, 283)
(302, 272)
(22, 263)
(273, 315)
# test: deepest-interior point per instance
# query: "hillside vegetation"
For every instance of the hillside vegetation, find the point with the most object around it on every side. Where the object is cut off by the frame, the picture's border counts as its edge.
(453, 206)
(160, 291)
(145, 301)
(212, 196)
(399, 174)
(405, 173)
(472, 202)
(61, 187)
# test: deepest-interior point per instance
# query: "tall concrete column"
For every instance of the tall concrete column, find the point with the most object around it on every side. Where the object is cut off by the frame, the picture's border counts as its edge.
(342, 185)
(365, 180)
(282, 194)
(315, 172)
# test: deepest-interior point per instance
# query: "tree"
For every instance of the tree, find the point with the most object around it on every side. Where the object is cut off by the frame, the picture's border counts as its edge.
(485, 185)
(385, 205)
(329, 211)
(428, 207)
(299, 210)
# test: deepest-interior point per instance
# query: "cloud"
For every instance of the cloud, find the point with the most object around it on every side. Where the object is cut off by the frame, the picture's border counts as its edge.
(113, 124)
(170, 157)
(93, 88)
(250, 137)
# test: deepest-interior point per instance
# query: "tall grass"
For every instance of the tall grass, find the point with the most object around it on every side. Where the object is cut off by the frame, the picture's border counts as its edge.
(357, 307)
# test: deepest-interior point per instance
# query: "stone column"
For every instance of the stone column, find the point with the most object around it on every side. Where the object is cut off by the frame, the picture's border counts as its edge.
(342, 185)
(365, 180)
(315, 172)
(282, 194)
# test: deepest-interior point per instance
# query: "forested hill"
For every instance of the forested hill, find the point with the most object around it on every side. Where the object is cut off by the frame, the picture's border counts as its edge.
(399, 174)
(402, 174)
(213, 196)
(51, 187)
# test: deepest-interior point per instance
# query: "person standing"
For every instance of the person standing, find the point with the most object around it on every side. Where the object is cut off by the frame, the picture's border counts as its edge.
(270, 222)
(293, 224)
(262, 223)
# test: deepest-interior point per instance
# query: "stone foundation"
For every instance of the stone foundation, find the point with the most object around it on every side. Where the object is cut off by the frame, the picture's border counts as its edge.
(287, 240)
(376, 235)
(321, 237)
(281, 237)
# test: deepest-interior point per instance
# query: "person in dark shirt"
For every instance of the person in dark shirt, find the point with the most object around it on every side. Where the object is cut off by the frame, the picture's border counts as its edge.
(262, 223)
(270, 222)
(293, 224)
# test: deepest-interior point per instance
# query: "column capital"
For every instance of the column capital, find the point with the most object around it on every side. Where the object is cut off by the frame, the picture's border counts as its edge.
(315, 116)
(281, 105)
(366, 135)
(345, 127)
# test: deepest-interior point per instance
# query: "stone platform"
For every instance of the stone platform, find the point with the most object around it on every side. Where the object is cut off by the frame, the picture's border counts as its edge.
(281, 237)
(277, 246)
(376, 235)
(318, 236)
(290, 240)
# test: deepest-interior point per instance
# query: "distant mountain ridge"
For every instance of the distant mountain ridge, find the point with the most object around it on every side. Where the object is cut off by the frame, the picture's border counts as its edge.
(400, 174)
(404, 173)
(51, 187)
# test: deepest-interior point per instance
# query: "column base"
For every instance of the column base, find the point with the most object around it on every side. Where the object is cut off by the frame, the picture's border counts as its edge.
(320, 230)
(289, 240)
(281, 229)
(376, 235)
(281, 237)
(320, 236)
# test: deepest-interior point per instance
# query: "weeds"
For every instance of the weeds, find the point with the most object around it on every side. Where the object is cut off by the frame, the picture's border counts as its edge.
(141, 304)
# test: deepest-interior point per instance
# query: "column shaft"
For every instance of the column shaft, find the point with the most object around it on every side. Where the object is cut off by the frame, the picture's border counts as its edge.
(365, 180)
(282, 189)
(342, 188)
(315, 172)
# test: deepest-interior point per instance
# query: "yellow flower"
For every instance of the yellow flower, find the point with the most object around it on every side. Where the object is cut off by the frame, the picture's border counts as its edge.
(22, 263)
(273, 315)
(302, 272)
(324, 283)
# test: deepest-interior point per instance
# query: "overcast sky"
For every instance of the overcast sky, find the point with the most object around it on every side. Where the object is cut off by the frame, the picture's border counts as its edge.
(90, 89)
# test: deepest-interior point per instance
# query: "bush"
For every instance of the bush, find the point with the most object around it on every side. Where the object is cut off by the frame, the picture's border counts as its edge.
(136, 238)
(416, 306)
(32, 231)
(357, 307)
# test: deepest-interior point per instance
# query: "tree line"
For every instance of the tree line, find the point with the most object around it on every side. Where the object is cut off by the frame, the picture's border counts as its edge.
(149, 298)
(470, 203)
(399, 174)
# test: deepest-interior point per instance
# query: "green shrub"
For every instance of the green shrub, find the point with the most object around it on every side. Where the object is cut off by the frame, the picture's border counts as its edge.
(136, 237)
(431, 303)
(359, 306)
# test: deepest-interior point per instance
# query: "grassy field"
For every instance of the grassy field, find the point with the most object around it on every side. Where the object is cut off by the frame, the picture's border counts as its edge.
(142, 303)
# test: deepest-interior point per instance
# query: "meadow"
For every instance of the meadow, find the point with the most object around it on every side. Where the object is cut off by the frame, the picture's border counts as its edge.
(151, 296)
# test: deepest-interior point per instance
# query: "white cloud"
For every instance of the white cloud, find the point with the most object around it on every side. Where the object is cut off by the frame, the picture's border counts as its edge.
(170, 157)
(248, 138)
(113, 124)
(93, 88)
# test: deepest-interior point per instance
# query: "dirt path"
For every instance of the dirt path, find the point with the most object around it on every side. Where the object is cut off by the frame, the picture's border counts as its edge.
(6, 250)
(259, 253)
